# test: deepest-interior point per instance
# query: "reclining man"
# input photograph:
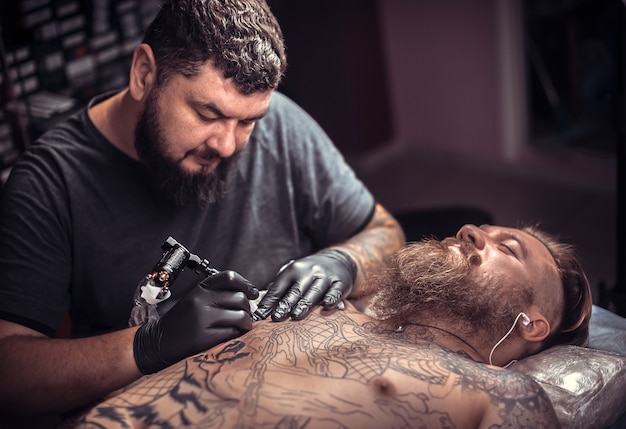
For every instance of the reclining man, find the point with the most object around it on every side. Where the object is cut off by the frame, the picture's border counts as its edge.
(420, 357)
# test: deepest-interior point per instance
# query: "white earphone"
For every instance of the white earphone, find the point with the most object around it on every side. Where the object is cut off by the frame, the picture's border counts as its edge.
(525, 319)
(525, 322)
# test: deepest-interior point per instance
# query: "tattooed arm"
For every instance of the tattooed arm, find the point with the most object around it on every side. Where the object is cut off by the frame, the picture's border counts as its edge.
(371, 247)
(515, 401)
(333, 273)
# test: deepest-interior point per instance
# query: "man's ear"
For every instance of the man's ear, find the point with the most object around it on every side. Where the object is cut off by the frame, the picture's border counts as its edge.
(142, 72)
(538, 328)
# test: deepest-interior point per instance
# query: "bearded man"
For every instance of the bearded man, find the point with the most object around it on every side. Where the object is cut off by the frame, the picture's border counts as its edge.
(429, 352)
(201, 146)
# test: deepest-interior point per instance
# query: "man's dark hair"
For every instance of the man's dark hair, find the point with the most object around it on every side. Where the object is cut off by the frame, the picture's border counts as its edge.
(241, 38)
(577, 298)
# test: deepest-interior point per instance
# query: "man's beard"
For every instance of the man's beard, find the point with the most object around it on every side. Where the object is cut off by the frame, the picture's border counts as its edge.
(170, 178)
(427, 282)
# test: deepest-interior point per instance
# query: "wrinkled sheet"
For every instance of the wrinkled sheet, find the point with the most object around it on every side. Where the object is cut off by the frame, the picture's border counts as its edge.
(587, 385)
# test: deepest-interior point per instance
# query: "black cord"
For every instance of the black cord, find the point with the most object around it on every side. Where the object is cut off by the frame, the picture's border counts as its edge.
(400, 328)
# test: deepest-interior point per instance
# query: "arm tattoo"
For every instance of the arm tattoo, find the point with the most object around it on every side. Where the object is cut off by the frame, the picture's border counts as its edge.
(372, 247)
(327, 371)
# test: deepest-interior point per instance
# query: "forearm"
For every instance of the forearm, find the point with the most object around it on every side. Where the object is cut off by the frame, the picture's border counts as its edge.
(42, 375)
(371, 248)
(339, 271)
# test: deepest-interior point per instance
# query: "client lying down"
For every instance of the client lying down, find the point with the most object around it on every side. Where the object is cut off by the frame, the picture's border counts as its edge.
(427, 351)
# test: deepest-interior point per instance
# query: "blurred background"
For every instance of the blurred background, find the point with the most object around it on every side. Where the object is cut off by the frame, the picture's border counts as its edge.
(511, 110)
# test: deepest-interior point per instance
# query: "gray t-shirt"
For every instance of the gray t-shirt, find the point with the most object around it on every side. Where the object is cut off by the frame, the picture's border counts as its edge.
(81, 224)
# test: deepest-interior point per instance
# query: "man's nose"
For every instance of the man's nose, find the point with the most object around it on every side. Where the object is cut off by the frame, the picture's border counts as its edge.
(224, 142)
(472, 233)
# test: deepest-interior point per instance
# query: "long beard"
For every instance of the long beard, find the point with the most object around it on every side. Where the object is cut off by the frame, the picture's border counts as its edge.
(427, 282)
(170, 178)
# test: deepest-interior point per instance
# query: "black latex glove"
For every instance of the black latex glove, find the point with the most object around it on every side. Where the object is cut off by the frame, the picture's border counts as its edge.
(215, 310)
(326, 276)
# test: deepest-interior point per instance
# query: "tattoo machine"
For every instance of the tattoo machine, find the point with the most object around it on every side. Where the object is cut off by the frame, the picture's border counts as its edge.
(155, 287)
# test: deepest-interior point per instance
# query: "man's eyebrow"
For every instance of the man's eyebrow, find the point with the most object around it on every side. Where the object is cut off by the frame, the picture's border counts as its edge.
(513, 236)
(519, 240)
(218, 112)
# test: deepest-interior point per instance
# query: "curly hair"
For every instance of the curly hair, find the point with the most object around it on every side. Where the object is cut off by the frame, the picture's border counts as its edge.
(241, 38)
(574, 325)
